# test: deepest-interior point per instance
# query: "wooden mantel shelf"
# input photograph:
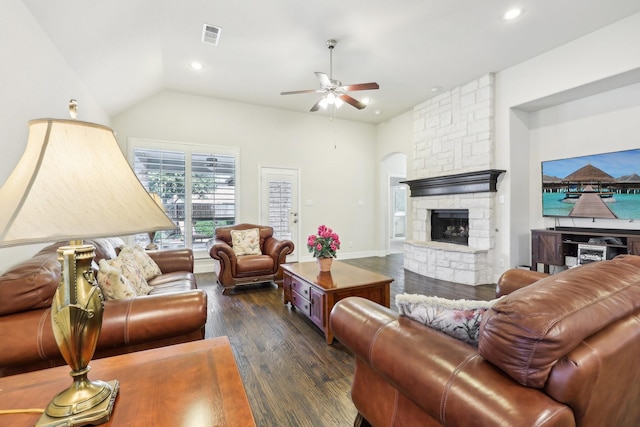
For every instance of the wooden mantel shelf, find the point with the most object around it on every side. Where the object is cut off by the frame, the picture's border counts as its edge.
(469, 182)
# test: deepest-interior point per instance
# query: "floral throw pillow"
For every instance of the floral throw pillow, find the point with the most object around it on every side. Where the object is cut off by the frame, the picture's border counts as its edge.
(246, 242)
(148, 266)
(113, 284)
(457, 318)
(129, 268)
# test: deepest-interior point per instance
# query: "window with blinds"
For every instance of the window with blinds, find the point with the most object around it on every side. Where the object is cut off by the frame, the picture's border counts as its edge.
(197, 190)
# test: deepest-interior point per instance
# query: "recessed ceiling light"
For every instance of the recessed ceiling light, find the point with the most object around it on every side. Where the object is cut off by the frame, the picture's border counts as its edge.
(512, 14)
(436, 89)
(377, 112)
(366, 101)
(196, 65)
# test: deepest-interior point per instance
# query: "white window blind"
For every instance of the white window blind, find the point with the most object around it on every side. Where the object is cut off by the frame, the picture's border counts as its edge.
(279, 208)
(197, 189)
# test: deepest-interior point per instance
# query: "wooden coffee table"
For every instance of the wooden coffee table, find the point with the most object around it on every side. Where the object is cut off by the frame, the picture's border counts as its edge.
(315, 293)
(195, 383)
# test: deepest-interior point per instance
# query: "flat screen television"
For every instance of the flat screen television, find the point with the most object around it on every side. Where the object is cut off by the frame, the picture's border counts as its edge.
(596, 186)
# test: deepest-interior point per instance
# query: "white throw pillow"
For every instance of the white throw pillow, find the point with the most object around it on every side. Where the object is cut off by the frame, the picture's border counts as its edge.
(113, 284)
(246, 242)
(148, 266)
(457, 318)
(128, 266)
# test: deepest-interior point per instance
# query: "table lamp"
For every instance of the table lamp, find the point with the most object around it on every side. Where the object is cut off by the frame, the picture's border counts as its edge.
(152, 234)
(73, 182)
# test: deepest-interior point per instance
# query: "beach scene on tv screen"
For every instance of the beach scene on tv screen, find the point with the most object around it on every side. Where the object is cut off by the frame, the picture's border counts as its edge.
(603, 185)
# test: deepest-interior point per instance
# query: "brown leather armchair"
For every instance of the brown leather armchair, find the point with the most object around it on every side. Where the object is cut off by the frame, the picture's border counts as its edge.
(241, 270)
(558, 350)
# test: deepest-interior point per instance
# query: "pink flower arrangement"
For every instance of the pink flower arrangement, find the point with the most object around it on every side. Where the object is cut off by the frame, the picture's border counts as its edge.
(324, 244)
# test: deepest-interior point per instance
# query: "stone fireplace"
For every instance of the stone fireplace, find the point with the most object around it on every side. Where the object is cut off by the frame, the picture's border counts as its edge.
(452, 161)
(469, 195)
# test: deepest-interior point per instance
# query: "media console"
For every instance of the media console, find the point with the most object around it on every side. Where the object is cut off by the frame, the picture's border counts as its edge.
(552, 246)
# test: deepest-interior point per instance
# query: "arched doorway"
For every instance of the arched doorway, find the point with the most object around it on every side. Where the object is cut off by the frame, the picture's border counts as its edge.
(396, 213)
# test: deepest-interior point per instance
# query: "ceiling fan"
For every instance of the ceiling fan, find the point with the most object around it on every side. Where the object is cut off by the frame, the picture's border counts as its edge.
(334, 91)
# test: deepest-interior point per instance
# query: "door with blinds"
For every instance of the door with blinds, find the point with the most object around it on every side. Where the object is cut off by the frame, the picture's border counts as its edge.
(279, 205)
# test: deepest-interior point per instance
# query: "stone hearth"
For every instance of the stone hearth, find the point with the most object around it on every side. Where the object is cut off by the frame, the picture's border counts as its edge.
(446, 261)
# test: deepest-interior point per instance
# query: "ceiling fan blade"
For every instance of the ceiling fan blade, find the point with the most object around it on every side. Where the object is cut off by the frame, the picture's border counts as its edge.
(294, 92)
(316, 106)
(361, 86)
(349, 100)
(324, 79)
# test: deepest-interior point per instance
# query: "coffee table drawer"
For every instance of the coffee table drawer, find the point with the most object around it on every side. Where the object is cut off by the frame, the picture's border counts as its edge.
(301, 303)
(300, 287)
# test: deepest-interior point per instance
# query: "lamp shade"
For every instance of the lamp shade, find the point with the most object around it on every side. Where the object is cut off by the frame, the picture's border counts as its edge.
(156, 198)
(73, 182)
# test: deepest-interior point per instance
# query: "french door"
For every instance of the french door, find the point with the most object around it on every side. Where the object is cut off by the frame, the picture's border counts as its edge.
(279, 204)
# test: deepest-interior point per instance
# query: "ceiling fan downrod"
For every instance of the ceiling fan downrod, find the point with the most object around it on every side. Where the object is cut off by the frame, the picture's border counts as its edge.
(331, 43)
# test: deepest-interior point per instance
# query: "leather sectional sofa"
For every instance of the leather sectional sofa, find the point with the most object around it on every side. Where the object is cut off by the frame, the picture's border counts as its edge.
(175, 311)
(560, 350)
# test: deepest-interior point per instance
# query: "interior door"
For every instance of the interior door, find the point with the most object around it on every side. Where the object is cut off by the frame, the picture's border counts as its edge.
(279, 204)
(399, 211)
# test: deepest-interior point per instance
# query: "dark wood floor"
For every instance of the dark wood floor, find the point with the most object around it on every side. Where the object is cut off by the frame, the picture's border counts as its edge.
(292, 377)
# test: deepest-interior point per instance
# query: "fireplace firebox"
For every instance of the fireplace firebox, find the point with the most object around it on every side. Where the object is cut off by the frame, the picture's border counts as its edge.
(450, 225)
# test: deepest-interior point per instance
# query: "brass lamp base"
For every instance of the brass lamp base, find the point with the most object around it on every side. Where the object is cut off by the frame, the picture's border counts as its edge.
(152, 246)
(76, 318)
(63, 402)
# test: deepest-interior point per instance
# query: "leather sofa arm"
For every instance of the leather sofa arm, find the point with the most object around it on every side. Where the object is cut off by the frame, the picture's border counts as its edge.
(445, 377)
(515, 278)
(277, 249)
(219, 249)
(152, 317)
(173, 260)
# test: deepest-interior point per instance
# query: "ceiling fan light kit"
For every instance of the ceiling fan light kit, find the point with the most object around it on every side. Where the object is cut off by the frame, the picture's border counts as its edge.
(334, 92)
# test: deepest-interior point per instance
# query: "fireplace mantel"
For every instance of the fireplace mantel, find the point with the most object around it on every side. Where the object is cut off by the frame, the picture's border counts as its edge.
(469, 182)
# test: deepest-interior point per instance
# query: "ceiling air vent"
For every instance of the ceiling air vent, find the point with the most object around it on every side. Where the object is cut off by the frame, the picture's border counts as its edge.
(211, 34)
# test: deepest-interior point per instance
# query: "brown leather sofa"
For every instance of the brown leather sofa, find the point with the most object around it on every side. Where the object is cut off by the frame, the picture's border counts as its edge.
(233, 270)
(175, 311)
(560, 351)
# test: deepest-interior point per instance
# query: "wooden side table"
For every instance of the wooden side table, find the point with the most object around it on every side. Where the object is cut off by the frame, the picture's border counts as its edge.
(195, 383)
(314, 293)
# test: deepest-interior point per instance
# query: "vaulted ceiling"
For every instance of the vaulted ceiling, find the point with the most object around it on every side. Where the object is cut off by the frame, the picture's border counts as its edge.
(127, 50)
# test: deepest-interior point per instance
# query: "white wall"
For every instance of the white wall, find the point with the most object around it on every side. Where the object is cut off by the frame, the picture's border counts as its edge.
(336, 158)
(596, 124)
(567, 78)
(396, 136)
(394, 142)
(36, 83)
